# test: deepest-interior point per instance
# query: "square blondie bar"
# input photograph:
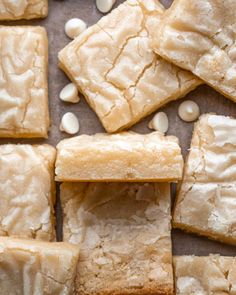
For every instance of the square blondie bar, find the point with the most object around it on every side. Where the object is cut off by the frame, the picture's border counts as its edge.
(200, 36)
(115, 68)
(206, 201)
(27, 191)
(34, 267)
(23, 83)
(123, 232)
(23, 9)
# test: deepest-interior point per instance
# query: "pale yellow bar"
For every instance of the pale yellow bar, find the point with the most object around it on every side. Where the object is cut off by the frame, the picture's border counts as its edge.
(199, 36)
(23, 9)
(123, 157)
(32, 267)
(212, 274)
(206, 201)
(113, 65)
(27, 191)
(24, 86)
(123, 232)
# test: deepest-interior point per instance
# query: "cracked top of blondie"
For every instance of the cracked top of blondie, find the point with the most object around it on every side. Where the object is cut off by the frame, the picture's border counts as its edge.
(115, 68)
(23, 85)
(213, 274)
(123, 231)
(27, 191)
(200, 36)
(23, 9)
(206, 200)
(34, 267)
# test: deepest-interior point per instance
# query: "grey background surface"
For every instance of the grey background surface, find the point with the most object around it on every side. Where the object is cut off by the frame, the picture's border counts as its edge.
(208, 99)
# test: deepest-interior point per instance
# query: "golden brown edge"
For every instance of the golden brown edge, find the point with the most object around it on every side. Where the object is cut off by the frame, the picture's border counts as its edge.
(210, 235)
(160, 290)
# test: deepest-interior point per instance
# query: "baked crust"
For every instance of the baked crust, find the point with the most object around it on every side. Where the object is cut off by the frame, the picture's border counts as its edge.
(114, 67)
(206, 200)
(200, 36)
(27, 191)
(24, 88)
(212, 274)
(23, 9)
(126, 156)
(32, 267)
(123, 231)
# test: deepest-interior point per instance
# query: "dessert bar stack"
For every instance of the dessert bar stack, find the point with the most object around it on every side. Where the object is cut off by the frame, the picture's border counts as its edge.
(31, 261)
(200, 36)
(122, 227)
(115, 186)
(122, 90)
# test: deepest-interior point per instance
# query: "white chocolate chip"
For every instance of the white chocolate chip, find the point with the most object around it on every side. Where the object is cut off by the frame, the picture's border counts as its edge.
(70, 93)
(105, 6)
(189, 111)
(159, 122)
(69, 123)
(74, 27)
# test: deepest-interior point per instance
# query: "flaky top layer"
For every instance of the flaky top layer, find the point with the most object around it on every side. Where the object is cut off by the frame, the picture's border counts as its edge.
(27, 191)
(199, 36)
(206, 200)
(23, 83)
(124, 234)
(213, 274)
(23, 9)
(32, 267)
(115, 68)
(213, 150)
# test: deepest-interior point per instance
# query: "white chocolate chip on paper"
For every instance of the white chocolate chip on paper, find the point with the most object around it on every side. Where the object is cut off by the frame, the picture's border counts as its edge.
(159, 122)
(74, 27)
(70, 93)
(69, 123)
(105, 6)
(189, 111)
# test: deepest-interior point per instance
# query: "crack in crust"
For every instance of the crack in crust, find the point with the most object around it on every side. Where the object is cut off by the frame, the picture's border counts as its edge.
(27, 191)
(32, 267)
(124, 235)
(212, 274)
(24, 90)
(114, 67)
(200, 36)
(206, 201)
(23, 9)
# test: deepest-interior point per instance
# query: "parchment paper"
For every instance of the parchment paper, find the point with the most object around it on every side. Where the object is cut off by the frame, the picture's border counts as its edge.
(209, 101)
